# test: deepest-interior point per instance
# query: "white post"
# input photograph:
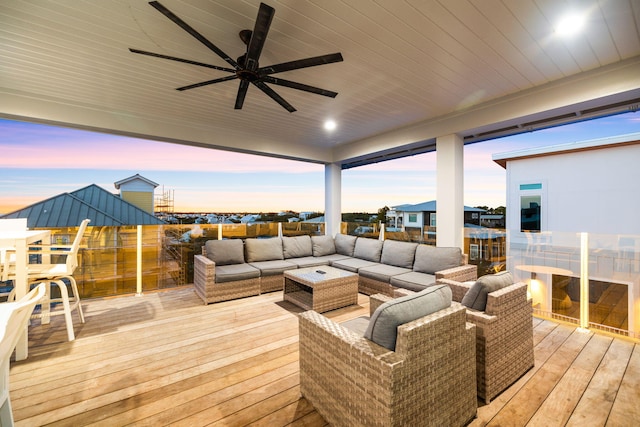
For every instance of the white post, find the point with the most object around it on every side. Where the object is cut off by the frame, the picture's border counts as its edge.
(584, 281)
(450, 191)
(280, 229)
(139, 262)
(332, 198)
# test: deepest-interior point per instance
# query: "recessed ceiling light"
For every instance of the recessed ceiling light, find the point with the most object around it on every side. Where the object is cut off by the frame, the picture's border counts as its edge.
(570, 24)
(330, 125)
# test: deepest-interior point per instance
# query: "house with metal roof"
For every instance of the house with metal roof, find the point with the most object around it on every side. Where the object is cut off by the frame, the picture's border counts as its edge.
(69, 209)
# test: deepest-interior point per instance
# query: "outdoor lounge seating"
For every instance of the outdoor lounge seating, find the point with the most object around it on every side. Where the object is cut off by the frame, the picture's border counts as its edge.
(504, 330)
(229, 269)
(406, 365)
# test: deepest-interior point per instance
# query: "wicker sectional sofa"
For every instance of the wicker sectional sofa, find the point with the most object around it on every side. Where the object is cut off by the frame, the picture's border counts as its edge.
(234, 268)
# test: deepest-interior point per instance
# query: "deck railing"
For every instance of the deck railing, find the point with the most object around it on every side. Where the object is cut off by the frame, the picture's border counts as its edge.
(587, 279)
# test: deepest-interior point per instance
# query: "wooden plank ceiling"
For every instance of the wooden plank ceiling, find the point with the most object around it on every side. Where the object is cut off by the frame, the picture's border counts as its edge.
(406, 62)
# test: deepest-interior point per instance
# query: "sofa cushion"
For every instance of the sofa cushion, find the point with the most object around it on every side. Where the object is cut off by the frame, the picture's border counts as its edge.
(233, 272)
(358, 325)
(382, 272)
(476, 297)
(263, 249)
(345, 244)
(296, 247)
(400, 254)
(308, 261)
(413, 281)
(323, 245)
(383, 325)
(430, 259)
(368, 249)
(225, 252)
(352, 264)
(273, 267)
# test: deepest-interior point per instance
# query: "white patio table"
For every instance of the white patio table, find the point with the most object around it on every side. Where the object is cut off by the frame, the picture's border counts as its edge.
(20, 241)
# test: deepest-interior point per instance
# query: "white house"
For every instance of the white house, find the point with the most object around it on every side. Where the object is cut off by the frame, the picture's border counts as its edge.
(572, 214)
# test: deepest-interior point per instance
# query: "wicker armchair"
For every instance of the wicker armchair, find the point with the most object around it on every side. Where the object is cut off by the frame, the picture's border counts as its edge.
(504, 336)
(428, 380)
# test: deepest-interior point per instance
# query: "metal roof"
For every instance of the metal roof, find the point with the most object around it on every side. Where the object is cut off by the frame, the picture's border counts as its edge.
(136, 177)
(429, 206)
(69, 209)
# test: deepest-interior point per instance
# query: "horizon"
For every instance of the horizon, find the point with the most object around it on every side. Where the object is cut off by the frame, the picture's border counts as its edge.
(41, 161)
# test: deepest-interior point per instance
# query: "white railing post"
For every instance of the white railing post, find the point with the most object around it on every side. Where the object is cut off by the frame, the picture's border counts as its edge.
(139, 262)
(584, 281)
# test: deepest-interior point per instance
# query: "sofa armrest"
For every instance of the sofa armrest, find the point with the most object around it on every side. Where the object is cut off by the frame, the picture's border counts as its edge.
(458, 289)
(204, 273)
(376, 301)
(461, 273)
(327, 335)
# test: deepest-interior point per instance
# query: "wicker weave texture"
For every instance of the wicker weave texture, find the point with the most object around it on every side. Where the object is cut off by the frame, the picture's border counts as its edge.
(429, 379)
(504, 337)
(205, 286)
(271, 283)
(323, 295)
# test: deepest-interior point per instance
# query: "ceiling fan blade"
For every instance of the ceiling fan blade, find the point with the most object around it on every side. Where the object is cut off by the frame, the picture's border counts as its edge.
(242, 92)
(259, 36)
(299, 86)
(266, 89)
(186, 61)
(208, 82)
(301, 63)
(166, 12)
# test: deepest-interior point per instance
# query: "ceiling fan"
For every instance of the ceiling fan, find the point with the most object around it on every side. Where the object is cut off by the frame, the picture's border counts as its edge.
(246, 67)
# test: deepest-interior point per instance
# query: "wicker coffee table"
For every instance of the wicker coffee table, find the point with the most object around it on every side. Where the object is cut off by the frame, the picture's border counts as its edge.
(312, 290)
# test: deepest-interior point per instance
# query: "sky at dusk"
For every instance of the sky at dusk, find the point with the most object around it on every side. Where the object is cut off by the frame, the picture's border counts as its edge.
(39, 161)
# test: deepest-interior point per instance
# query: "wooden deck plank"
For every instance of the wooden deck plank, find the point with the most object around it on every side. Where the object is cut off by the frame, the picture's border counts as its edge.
(597, 401)
(626, 408)
(166, 358)
(559, 405)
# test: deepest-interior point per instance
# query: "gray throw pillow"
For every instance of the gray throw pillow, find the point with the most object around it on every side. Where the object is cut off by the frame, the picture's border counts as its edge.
(296, 247)
(430, 259)
(368, 249)
(263, 249)
(323, 245)
(345, 244)
(225, 252)
(400, 254)
(383, 325)
(476, 297)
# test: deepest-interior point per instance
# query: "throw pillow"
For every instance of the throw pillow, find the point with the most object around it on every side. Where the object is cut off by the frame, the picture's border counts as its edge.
(476, 297)
(264, 249)
(368, 249)
(430, 259)
(383, 325)
(296, 247)
(225, 252)
(345, 244)
(323, 245)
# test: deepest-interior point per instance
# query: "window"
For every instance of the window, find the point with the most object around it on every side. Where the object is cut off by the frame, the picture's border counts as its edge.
(530, 213)
(413, 217)
(473, 251)
(530, 207)
(432, 220)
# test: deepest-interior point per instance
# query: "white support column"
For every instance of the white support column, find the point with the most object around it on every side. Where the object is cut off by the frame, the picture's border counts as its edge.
(450, 191)
(332, 198)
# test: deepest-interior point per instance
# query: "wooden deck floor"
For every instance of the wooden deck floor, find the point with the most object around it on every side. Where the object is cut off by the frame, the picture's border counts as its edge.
(166, 359)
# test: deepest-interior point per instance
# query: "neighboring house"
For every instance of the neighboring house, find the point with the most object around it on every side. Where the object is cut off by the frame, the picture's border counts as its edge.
(554, 194)
(492, 220)
(137, 190)
(422, 216)
(69, 209)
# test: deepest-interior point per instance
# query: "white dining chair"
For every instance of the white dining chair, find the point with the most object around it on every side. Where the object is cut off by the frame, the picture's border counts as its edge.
(55, 273)
(14, 317)
(7, 254)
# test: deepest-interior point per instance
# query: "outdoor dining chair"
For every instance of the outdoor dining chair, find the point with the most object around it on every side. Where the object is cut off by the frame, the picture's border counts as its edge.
(14, 317)
(55, 273)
